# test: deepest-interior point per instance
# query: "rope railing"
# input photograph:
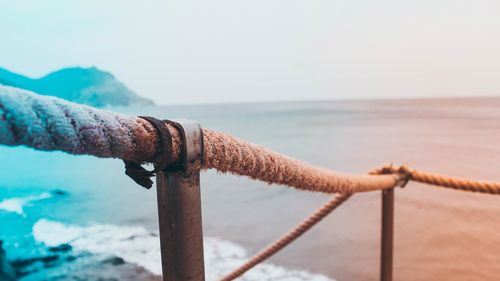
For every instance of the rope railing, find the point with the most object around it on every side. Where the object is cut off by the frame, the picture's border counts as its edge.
(52, 124)
(323, 211)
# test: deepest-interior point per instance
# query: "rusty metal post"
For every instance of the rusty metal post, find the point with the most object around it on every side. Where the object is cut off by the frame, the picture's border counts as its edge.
(179, 211)
(387, 237)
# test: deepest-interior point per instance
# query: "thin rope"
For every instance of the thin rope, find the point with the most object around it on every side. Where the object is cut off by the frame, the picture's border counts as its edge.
(456, 183)
(290, 236)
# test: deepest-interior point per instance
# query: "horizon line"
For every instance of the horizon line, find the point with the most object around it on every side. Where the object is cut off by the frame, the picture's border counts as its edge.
(377, 99)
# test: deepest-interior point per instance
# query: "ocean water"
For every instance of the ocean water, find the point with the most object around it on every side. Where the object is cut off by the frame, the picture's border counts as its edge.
(65, 217)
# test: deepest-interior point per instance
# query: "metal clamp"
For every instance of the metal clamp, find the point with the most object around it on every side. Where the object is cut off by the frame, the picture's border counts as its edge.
(192, 148)
(163, 155)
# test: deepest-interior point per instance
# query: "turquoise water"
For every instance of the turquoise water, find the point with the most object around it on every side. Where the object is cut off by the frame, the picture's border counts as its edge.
(65, 217)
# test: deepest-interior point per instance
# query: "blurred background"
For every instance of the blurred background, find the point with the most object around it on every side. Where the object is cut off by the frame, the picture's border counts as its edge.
(347, 85)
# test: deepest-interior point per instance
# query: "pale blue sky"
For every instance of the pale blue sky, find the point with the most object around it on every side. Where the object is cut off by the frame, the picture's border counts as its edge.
(259, 50)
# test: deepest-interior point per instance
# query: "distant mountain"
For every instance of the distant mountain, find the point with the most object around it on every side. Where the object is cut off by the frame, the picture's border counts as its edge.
(82, 85)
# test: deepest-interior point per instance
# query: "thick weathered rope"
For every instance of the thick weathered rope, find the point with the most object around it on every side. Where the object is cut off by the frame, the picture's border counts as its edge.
(290, 236)
(48, 123)
(229, 154)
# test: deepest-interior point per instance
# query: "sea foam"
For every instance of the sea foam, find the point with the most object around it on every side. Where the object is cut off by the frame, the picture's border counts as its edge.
(17, 204)
(137, 245)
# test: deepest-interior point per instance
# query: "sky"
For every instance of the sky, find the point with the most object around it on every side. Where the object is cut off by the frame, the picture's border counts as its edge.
(199, 51)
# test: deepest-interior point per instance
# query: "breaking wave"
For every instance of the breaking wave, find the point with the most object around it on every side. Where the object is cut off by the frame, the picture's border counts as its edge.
(137, 245)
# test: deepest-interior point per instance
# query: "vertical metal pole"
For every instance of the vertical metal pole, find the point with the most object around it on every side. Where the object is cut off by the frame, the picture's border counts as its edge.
(179, 212)
(387, 237)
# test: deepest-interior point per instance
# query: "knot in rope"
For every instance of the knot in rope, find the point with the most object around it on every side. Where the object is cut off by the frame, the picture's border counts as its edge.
(404, 173)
